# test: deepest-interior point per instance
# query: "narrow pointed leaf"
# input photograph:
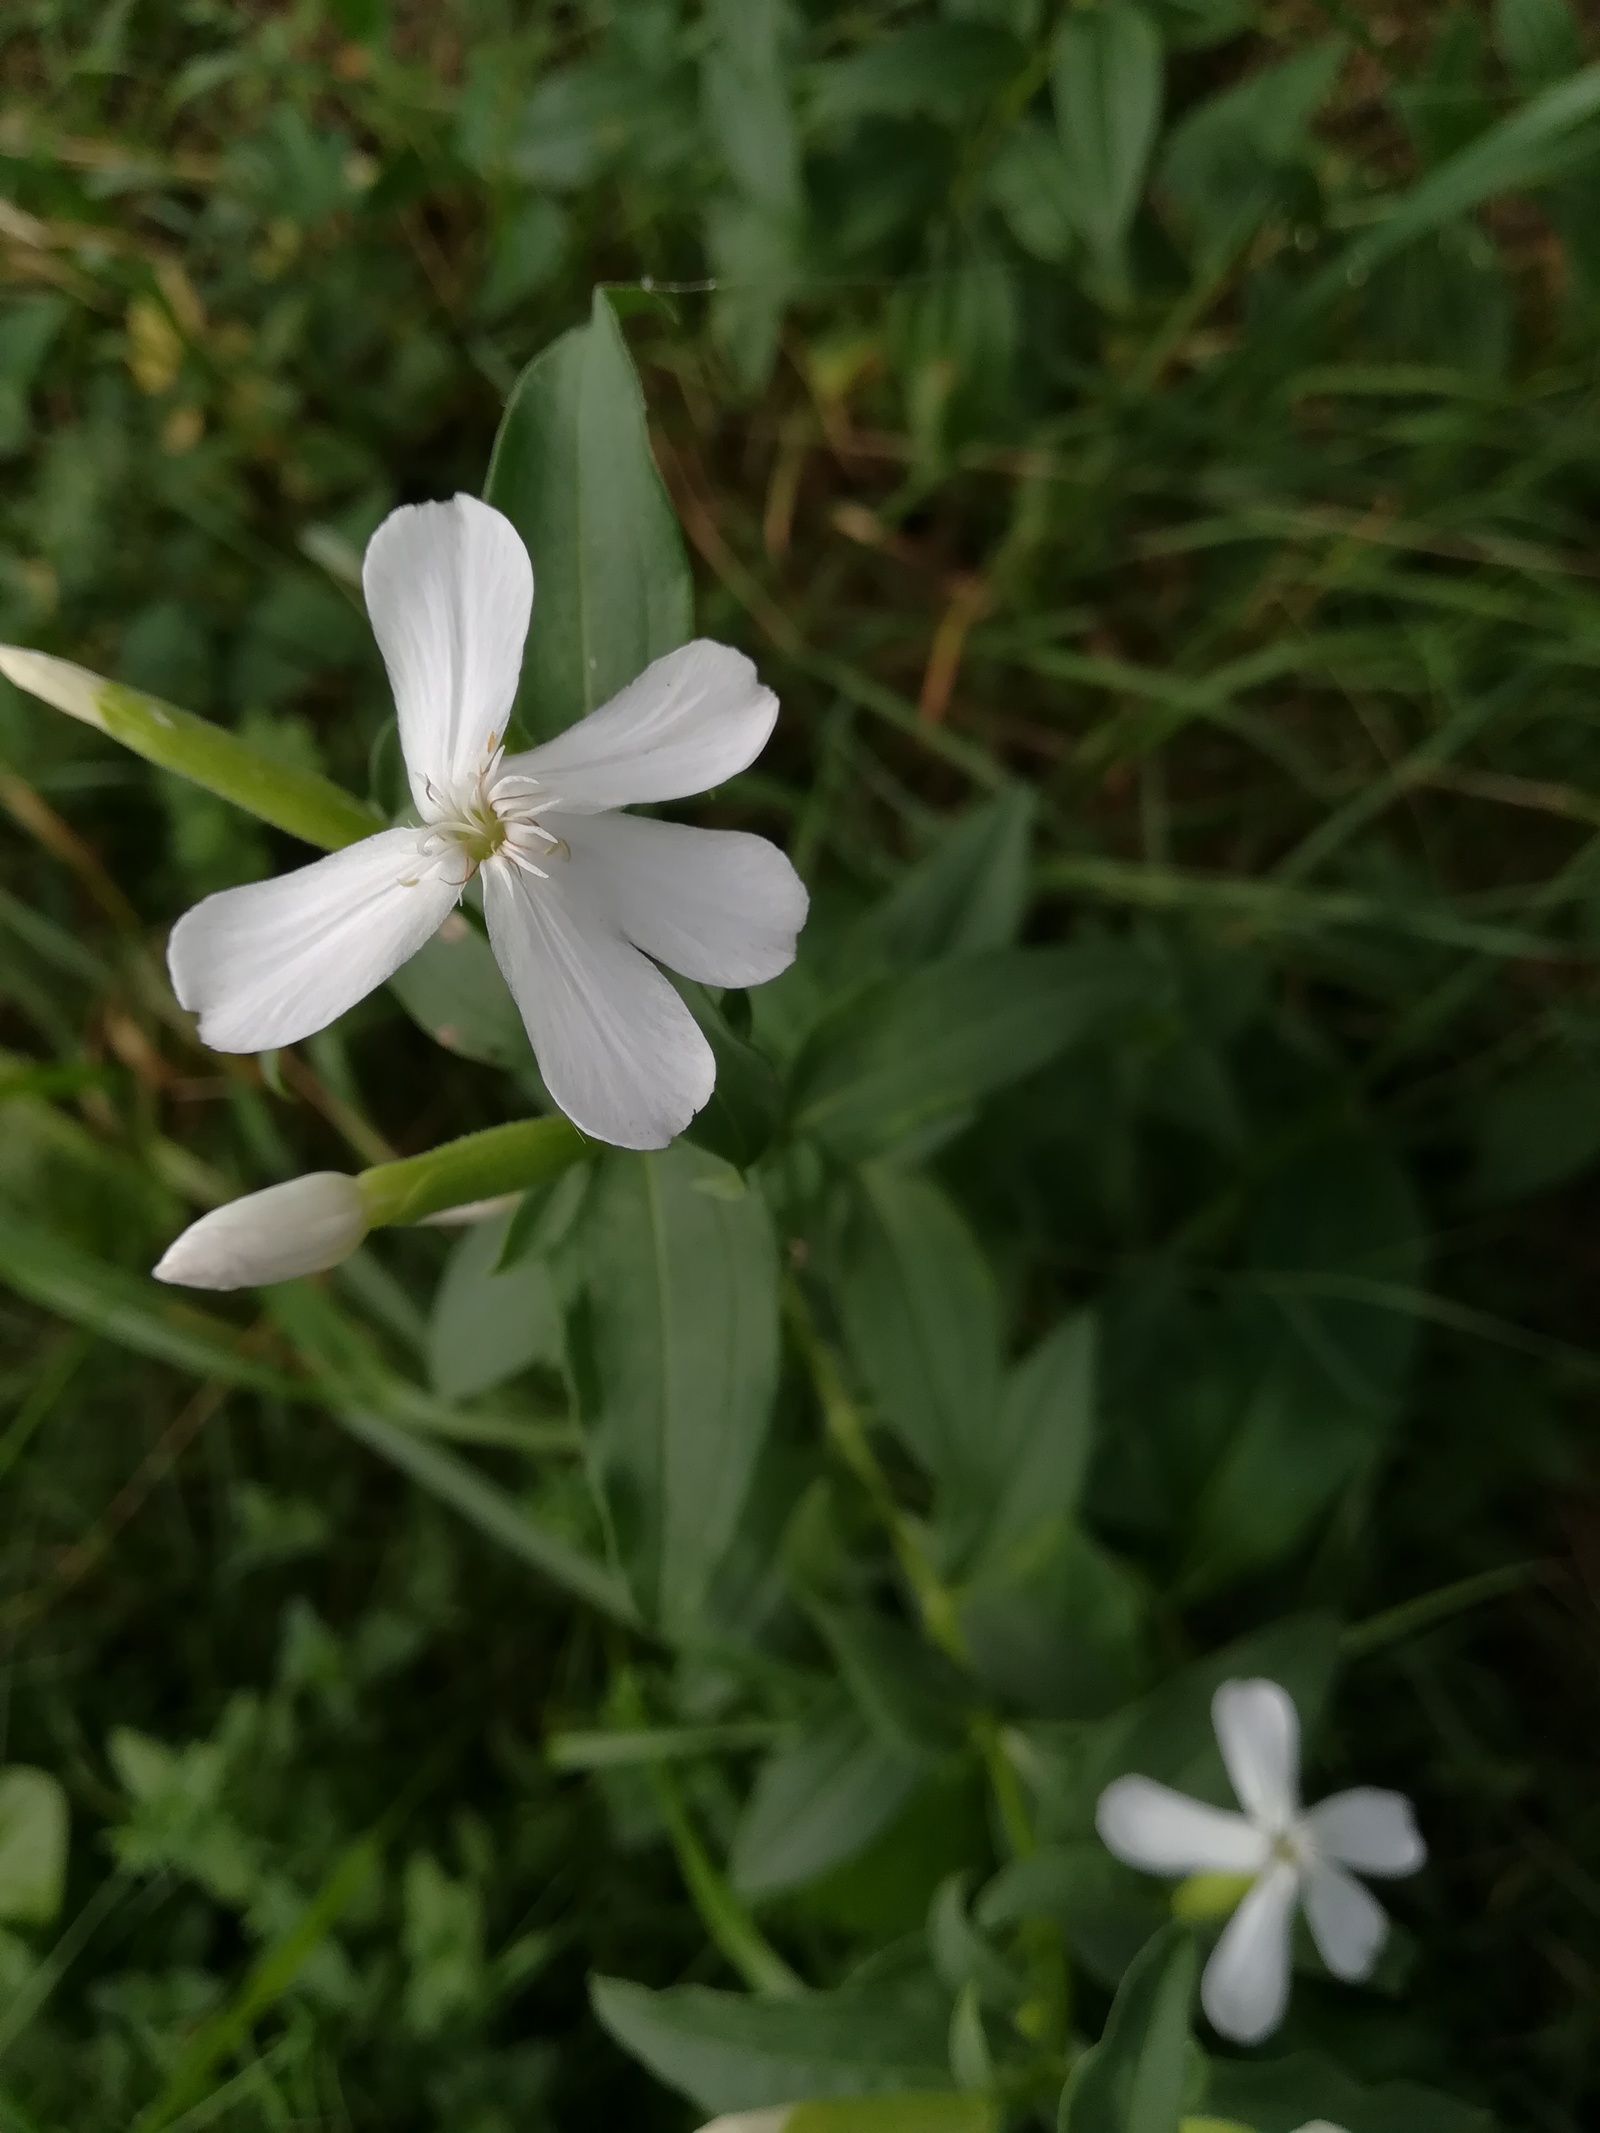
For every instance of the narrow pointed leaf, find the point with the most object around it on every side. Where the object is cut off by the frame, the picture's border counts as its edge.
(572, 470)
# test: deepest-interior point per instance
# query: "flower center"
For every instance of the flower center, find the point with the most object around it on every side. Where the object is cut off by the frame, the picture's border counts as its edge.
(490, 814)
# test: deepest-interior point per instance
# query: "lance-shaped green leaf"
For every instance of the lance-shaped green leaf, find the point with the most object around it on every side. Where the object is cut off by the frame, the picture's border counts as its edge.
(1108, 86)
(922, 1321)
(910, 1059)
(966, 896)
(573, 472)
(290, 798)
(729, 2053)
(1135, 2078)
(820, 1799)
(682, 1277)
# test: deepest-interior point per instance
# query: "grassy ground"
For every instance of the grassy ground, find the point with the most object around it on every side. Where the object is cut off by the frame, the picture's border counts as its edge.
(1265, 561)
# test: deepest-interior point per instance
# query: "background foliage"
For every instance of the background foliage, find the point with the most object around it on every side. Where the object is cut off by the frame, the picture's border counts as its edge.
(1153, 455)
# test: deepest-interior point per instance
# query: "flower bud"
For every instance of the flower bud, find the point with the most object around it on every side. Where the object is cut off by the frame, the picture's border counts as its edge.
(298, 1228)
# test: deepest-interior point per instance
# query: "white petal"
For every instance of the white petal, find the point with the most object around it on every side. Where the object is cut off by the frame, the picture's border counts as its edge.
(1373, 1831)
(719, 905)
(691, 719)
(277, 960)
(1165, 1832)
(303, 1227)
(1246, 1986)
(1347, 1922)
(619, 1051)
(449, 591)
(1258, 1731)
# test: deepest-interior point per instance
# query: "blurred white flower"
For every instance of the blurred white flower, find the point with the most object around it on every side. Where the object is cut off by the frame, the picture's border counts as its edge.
(303, 1227)
(577, 896)
(1289, 1856)
(752, 2121)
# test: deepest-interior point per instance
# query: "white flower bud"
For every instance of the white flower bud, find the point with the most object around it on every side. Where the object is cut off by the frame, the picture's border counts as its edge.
(299, 1228)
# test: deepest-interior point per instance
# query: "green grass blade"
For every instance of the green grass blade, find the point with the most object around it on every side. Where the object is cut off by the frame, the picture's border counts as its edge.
(271, 1977)
(495, 1513)
(1522, 150)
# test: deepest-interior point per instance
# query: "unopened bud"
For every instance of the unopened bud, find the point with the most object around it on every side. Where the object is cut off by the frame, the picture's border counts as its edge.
(300, 1228)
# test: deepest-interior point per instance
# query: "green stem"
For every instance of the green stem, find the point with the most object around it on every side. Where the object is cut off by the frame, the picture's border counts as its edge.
(847, 1431)
(479, 1166)
(1014, 1817)
(724, 1917)
(1412, 1617)
(298, 801)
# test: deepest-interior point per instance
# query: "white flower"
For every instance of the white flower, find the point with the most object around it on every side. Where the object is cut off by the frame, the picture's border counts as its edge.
(1290, 1857)
(577, 896)
(309, 1224)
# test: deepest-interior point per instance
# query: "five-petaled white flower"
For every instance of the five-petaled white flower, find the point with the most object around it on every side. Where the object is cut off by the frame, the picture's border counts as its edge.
(1290, 1856)
(578, 897)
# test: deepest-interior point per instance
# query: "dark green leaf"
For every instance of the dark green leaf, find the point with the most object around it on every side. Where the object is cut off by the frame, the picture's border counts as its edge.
(1191, 25)
(1055, 1625)
(1539, 40)
(1223, 165)
(728, 2053)
(962, 1954)
(740, 1119)
(1044, 1434)
(819, 1800)
(746, 87)
(912, 1059)
(908, 1693)
(1168, 1734)
(1547, 137)
(1535, 1130)
(495, 1513)
(1106, 1911)
(1283, 2095)
(682, 1274)
(572, 470)
(1107, 80)
(941, 70)
(452, 988)
(1031, 184)
(1134, 2080)
(969, 894)
(486, 1325)
(921, 1320)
